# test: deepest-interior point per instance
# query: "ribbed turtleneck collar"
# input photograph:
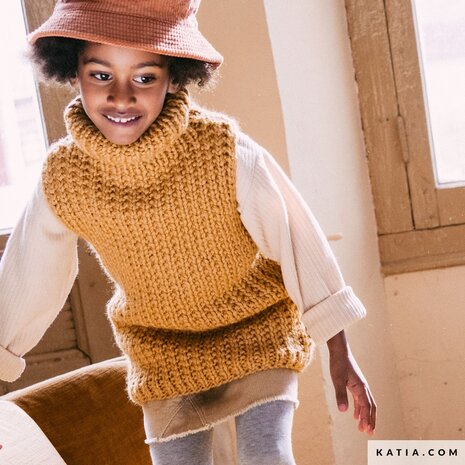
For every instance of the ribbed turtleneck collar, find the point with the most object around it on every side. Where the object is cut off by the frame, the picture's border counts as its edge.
(169, 125)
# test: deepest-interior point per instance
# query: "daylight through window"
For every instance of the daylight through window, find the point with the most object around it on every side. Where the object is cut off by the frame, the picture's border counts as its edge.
(22, 144)
(440, 28)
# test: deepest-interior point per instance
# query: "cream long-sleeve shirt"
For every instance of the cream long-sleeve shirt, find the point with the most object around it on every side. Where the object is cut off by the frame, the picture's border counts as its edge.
(40, 261)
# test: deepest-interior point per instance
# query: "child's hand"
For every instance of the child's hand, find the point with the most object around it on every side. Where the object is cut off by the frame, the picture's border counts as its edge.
(346, 374)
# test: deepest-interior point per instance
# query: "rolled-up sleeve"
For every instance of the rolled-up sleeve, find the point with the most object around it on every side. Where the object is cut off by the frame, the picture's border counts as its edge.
(37, 271)
(284, 229)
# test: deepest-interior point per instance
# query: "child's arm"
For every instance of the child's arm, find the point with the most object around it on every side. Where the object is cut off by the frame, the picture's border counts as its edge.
(285, 230)
(282, 225)
(346, 374)
(37, 271)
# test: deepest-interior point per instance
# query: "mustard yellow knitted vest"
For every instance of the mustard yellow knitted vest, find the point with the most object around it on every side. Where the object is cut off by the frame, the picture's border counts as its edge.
(195, 303)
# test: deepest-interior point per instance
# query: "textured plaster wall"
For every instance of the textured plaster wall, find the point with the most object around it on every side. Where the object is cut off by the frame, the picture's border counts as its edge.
(427, 321)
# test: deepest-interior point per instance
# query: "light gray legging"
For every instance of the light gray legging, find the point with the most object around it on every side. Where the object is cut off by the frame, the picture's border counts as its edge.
(263, 438)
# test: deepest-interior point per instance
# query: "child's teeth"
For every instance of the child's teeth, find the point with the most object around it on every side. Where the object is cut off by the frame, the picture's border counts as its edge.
(120, 120)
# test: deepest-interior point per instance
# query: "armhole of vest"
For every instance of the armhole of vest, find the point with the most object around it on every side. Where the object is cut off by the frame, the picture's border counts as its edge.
(45, 199)
(51, 209)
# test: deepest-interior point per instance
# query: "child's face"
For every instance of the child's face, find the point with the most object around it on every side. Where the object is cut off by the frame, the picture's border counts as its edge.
(122, 89)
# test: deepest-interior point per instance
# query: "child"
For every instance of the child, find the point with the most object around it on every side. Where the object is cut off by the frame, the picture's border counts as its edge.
(223, 281)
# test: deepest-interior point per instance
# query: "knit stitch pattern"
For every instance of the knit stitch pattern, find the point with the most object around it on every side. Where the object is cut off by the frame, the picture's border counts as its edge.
(195, 303)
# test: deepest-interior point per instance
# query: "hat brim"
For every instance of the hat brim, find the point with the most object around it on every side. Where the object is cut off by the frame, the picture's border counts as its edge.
(179, 39)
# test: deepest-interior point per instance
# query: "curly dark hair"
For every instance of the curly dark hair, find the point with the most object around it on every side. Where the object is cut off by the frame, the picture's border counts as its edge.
(57, 59)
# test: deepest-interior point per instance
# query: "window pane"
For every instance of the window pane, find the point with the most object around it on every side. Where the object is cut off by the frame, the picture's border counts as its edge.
(22, 144)
(440, 27)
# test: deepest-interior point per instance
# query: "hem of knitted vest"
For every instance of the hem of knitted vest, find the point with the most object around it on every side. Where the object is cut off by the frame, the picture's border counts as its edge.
(233, 414)
(299, 368)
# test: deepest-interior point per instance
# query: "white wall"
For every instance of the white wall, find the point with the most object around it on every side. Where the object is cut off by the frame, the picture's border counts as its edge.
(327, 162)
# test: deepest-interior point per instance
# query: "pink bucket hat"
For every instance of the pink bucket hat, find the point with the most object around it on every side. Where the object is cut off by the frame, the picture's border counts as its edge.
(166, 27)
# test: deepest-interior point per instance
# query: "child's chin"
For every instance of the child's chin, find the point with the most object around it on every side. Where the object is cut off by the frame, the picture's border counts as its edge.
(121, 140)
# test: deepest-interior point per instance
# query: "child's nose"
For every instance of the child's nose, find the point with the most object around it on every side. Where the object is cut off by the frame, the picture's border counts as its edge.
(121, 95)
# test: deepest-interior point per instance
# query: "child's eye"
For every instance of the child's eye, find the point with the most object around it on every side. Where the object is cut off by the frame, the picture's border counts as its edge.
(101, 76)
(144, 79)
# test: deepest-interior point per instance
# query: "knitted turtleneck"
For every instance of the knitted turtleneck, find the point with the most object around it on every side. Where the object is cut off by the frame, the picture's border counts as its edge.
(195, 303)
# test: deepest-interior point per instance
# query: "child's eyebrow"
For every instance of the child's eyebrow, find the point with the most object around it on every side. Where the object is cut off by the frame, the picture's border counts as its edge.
(98, 61)
(148, 63)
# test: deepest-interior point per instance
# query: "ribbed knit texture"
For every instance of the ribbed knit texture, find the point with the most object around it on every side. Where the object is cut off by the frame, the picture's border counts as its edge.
(195, 303)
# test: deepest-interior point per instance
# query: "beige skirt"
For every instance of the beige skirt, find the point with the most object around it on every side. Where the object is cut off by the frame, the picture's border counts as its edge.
(169, 419)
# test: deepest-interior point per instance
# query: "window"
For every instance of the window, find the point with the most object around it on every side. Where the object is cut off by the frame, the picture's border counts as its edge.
(22, 145)
(25, 125)
(440, 33)
(420, 225)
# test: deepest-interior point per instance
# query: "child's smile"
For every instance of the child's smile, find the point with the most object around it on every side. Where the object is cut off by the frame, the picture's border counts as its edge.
(124, 121)
(122, 89)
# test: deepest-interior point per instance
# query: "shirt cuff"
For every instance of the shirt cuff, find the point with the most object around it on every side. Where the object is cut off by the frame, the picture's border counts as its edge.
(333, 314)
(11, 366)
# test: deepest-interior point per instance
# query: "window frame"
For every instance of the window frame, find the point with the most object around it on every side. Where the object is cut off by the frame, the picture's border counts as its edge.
(420, 226)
